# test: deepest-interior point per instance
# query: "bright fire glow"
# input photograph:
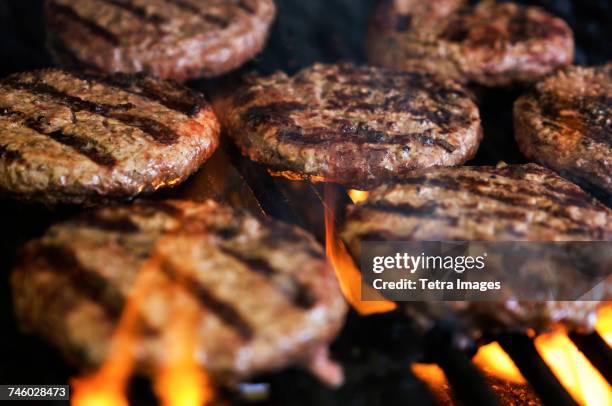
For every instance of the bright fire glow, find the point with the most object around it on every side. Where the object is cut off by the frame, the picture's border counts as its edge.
(107, 387)
(98, 390)
(179, 383)
(574, 371)
(604, 324)
(347, 273)
(493, 360)
(433, 376)
(430, 373)
(358, 195)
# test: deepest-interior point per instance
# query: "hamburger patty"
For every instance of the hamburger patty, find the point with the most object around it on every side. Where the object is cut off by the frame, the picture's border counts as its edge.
(488, 43)
(261, 293)
(354, 125)
(504, 203)
(179, 39)
(565, 123)
(72, 138)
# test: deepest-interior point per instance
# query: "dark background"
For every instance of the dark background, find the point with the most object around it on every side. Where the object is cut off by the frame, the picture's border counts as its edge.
(306, 31)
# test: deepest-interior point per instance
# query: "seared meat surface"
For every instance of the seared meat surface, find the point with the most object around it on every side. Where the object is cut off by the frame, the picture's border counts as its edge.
(67, 137)
(355, 125)
(504, 203)
(565, 123)
(493, 44)
(260, 293)
(179, 39)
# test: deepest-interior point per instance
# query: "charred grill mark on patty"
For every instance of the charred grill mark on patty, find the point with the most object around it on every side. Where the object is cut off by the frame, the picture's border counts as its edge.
(83, 145)
(90, 25)
(215, 20)
(153, 129)
(360, 133)
(137, 11)
(428, 210)
(244, 5)
(185, 5)
(208, 17)
(471, 183)
(224, 310)
(298, 293)
(273, 113)
(89, 282)
(512, 194)
(189, 102)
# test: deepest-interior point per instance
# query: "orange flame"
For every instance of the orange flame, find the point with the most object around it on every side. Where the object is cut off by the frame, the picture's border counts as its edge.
(107, 387)
(347, 273)
(573, 369)
(604, 323)
(179, 383)
(358, 195)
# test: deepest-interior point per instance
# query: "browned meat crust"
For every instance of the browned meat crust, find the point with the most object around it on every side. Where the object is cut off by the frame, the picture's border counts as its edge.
(507, 203)
(358, 126)
(493, 44)
(71, 138)
(565, 123)
(263, 292)
(179, 39)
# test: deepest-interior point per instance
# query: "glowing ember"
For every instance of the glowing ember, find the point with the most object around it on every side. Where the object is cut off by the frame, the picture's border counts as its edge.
(347, 273)
(494, 361)
(358, 195)
(296, 176)
(574, 371)
(430, 373)
(433, 376)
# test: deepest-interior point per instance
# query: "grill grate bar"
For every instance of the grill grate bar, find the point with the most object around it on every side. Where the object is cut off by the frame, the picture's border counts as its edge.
(467, 383)
(271, 199)
(596, 350)
(523, 352)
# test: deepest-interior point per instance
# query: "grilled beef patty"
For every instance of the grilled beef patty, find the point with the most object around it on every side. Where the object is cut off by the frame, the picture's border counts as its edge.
(489, 43)
(504, 203)
(565, 123)
(260, 293)
(354, 125)
(179, 39)
(73, 138)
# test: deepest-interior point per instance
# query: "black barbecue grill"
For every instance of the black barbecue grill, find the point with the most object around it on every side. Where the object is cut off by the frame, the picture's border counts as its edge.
(376, 351)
